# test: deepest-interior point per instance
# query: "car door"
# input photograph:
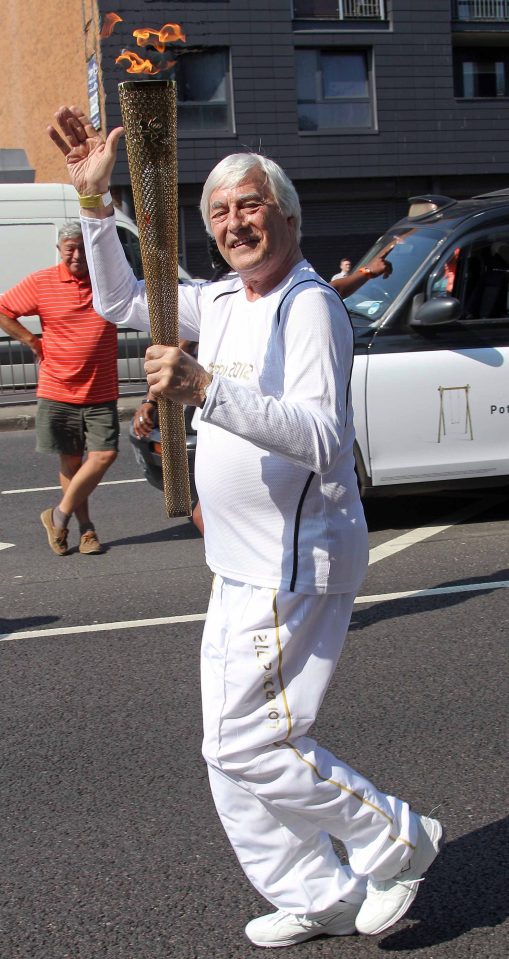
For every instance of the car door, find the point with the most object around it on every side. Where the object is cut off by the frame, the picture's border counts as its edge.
(437, 398)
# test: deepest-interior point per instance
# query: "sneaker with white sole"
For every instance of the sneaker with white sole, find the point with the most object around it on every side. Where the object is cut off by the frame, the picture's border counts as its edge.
(388, 901)
(283, 928)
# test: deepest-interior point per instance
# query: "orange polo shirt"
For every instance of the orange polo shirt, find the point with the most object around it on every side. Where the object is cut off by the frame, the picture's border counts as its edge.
(80, 348)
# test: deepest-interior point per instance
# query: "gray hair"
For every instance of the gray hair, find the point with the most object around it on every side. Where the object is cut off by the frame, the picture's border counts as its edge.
(69, 229)
(230, 171)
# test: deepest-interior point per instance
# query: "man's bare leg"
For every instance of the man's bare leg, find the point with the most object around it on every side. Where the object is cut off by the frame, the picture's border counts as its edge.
(78, 479)
(69, 466)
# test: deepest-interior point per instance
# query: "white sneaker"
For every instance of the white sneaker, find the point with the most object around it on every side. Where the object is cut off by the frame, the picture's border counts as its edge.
(387, 901)
(282, 928)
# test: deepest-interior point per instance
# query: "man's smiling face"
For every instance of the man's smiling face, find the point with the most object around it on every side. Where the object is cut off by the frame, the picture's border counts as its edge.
(252, 234)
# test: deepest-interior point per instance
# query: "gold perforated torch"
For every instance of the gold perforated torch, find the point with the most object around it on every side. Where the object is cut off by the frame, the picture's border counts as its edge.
(149, 115)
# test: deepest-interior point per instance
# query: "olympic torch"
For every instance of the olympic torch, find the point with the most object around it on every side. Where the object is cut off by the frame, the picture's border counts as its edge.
(149, 115)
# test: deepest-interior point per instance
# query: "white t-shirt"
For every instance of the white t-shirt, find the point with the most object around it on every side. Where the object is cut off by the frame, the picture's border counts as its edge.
(274, 461)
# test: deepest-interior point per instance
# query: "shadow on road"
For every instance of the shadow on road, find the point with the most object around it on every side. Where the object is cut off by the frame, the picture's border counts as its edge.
(24, 622)
(467, 889)
(392, 608)
(184, 530)
(408, 511)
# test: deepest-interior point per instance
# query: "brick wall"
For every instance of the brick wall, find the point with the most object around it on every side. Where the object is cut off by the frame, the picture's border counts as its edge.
(43, 65)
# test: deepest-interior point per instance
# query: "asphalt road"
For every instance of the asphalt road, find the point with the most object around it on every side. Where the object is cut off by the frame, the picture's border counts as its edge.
(109, 844)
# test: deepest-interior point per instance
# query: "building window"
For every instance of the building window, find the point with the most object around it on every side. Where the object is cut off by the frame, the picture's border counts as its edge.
(481, 10)
(481, 72)
(338, 9)
(204, 92)
(333, 90)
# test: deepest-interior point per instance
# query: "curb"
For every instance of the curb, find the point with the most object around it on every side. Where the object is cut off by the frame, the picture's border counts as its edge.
(23, 417)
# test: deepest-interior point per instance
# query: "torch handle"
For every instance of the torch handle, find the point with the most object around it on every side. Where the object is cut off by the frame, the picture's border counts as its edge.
(149, 115)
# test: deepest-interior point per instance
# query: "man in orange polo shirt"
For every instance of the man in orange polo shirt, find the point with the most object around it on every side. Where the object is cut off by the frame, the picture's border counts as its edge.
(78, 383)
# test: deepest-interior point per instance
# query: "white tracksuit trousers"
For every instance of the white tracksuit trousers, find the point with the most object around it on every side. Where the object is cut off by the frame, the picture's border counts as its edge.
(267, 659)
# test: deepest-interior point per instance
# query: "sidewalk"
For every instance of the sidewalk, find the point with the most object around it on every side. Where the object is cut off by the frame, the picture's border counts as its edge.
(22, 416)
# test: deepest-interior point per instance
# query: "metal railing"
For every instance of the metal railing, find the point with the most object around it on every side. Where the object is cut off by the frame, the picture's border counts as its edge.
(18, 371)
(358, 9)
(339, 10)
(494, 10)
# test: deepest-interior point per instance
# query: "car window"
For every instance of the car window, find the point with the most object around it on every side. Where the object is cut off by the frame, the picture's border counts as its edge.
(131, 246)
(411, 248)
(484, 279)
(445, 280)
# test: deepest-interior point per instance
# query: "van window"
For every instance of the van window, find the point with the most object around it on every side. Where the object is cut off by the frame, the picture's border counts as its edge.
(25, 248)
(411, 248)
(131, 246)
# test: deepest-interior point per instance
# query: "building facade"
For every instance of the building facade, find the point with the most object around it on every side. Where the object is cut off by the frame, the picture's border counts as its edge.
(363, 102)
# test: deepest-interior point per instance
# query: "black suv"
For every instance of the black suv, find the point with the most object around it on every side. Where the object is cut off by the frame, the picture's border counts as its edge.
(430, 379)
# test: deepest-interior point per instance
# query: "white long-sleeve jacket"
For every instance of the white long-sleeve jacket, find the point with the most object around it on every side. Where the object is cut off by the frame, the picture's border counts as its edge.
(274, 462)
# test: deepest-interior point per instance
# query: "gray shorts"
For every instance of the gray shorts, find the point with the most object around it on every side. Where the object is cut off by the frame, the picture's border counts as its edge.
(70, 429)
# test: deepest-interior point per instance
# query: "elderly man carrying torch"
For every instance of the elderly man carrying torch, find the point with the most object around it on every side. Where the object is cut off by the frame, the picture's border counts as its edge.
(286, 538)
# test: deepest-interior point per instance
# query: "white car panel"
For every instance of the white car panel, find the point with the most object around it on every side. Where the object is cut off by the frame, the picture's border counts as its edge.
(435, 415)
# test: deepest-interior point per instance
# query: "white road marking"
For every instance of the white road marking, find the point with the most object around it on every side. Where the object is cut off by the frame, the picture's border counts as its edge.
(45, 489)
(200, 617)
(438, 591)
(103, 627)
(424, 532)
(376, 554)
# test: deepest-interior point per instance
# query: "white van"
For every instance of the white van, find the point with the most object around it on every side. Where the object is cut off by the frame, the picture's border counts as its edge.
(31, 215)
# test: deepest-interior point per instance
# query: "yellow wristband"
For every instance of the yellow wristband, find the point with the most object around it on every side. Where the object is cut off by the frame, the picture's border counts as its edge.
(98, 199)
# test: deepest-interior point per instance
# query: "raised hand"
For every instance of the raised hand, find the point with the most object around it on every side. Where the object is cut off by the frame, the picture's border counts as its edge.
(89, 157)
(379, 265)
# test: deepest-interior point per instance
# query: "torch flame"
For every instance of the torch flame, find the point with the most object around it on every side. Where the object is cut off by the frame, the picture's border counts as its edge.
(137, 64)
(171, 32)
(109, 23)
(168, 33)
(146, 36)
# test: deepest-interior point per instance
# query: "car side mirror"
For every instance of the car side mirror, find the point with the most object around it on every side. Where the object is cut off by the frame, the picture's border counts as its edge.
(437, 311)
